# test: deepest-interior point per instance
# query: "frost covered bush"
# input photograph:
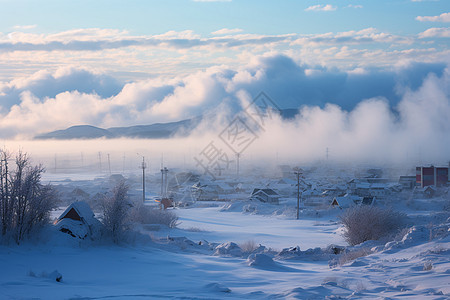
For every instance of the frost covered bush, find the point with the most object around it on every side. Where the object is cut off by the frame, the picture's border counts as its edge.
(146, 215)
(363, 223)
(25, 203)
(248, 246)
(116, 208)
(427, 266)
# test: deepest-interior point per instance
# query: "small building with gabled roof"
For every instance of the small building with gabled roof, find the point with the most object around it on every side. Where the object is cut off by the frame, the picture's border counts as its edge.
(78, 220)
(345, 201)
(265, 195)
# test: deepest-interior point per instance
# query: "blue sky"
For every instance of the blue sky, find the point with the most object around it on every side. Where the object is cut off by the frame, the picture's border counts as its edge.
(261, 17)
(143, 61)
(60, 27)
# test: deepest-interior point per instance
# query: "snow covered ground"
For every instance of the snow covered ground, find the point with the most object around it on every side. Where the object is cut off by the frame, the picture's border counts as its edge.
(159, 267)
(236, 250)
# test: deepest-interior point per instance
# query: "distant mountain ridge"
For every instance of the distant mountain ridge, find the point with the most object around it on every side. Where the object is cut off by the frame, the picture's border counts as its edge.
(153, 131)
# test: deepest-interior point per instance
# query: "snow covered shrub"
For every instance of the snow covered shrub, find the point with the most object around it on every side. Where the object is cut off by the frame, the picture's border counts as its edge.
(427, 266)
(146, 215)
(363, 223)
(25, 203)
(248, 246)
(115, 212)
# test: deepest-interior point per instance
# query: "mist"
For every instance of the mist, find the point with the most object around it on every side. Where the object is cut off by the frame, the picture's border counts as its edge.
(382, 117)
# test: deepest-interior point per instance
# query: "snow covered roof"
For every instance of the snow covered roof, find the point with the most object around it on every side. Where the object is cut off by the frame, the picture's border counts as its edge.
(287, 181)
(79, 211)
(378, 186)
(268, 192)
(312, 193)
(363, 185)
(73, 227)
(345, 201)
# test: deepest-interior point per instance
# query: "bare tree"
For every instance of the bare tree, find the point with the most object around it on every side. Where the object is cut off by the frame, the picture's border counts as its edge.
(115, 211)
(363, 223)
(148, 215)
(6, 212)
(25, 203)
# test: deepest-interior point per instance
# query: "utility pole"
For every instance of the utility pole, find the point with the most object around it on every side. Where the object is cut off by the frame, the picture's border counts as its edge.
(109, 165)
(297, 172)
(143, 166)
(100, 161)
(164, 182)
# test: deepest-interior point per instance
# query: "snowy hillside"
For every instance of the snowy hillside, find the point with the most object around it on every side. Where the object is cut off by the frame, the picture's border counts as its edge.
(153, 131)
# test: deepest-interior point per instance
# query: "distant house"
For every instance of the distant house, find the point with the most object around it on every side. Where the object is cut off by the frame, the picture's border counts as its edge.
(362, 189)
(287, 181)
(312, 197)
(428, 191)
(377, 187)
(206, 192)
(79, 221)
(346, 201)
(407, 182)
(166, 203)
(368, 201)
(379, 190)
(78, 195)
(265, 195)
(334, 191)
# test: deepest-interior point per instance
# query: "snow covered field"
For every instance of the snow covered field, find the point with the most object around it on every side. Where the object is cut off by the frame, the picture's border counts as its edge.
(159, 267)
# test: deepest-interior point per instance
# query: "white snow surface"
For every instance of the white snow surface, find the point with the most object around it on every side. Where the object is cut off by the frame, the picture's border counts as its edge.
(237, 250)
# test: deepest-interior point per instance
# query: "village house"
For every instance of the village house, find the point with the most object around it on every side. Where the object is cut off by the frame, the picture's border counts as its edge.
(407, 182)
(346, 201)
(79, 221)
(265, 195)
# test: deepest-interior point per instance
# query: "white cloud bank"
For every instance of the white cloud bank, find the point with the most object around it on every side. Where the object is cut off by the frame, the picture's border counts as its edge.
(435, 33)
(444, 17)
(366, 114)
(320, 7)
(177, 53)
